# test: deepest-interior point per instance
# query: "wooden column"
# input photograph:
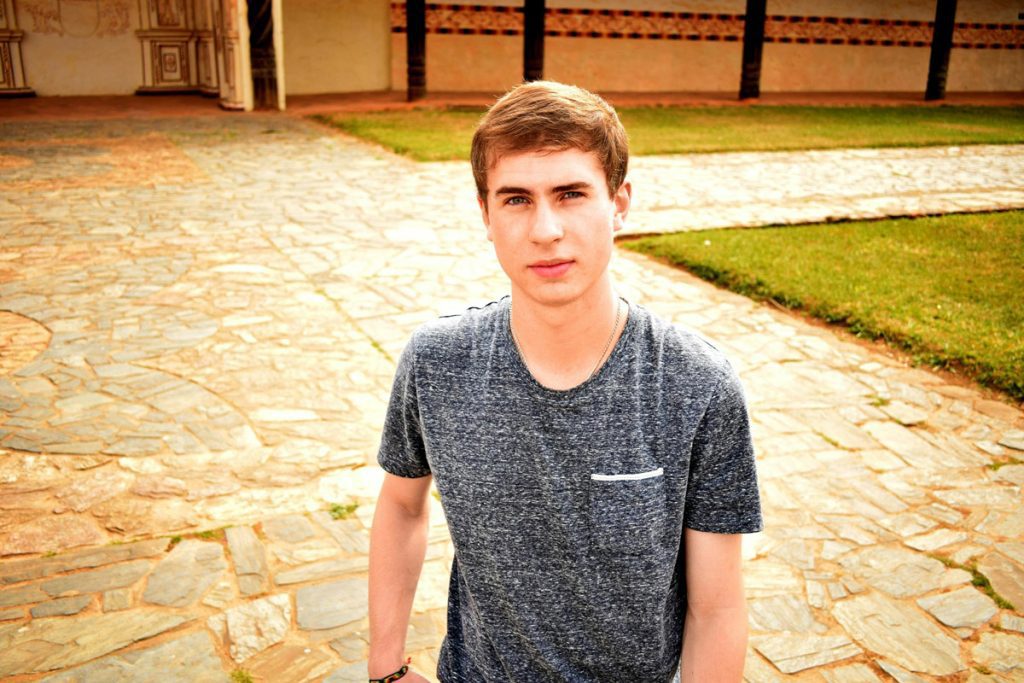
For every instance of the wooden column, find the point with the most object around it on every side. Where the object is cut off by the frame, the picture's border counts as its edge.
(533, 40)
(753, 44)
(416, 48)
(942, 44)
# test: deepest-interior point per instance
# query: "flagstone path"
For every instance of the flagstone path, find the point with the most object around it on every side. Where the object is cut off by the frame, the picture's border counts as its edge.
(199, 320)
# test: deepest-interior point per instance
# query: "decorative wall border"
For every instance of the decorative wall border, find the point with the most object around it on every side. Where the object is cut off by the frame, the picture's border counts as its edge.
(486, 20)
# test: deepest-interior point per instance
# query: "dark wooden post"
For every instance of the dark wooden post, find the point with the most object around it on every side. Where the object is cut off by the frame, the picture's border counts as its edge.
(942, 44)
(533, 40)
(416, 48)
(753, 44)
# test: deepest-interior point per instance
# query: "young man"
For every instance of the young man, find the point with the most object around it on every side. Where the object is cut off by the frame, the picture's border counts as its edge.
(594, 462)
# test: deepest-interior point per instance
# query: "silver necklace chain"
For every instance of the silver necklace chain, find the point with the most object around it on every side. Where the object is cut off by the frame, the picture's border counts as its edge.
(600, 359)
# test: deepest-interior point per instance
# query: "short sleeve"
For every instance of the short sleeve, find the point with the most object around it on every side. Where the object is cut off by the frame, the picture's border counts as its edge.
(402, 451)
(722, 495)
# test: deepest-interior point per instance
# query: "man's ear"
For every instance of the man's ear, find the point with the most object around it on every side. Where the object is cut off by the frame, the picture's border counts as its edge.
(622, 199)
(483, 213)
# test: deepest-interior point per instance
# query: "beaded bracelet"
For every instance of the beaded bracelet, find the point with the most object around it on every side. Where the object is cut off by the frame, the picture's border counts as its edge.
(390, 678)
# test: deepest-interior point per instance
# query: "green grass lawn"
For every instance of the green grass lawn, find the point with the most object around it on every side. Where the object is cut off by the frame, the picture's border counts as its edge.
(949, 289)
(440, 135)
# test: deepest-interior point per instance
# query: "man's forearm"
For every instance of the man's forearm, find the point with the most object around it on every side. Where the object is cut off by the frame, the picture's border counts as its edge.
(714, 646)
(398, 543)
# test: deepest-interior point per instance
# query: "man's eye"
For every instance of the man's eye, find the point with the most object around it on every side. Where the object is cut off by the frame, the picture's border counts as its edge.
(572, 194)
(513, 201)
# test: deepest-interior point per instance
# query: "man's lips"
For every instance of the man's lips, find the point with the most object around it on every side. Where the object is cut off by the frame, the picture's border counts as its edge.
(551, 268)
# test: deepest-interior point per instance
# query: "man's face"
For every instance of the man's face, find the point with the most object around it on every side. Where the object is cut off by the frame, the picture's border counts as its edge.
(551, 221)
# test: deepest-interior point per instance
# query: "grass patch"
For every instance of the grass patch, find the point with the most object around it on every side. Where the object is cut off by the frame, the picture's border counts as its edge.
(241, 676)
(1010, 460)
(339, 511)
(945, 289)
(978, 580)
(445, 134)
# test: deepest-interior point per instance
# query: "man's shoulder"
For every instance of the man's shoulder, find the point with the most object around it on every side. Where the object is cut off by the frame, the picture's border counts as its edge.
(683, 349)
(452, 335)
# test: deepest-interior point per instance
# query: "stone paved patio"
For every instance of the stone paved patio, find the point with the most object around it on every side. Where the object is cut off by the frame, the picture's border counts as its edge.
(198, 325)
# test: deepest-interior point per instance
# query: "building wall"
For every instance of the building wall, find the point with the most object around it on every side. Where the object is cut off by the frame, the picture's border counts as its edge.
(337, 46)
(699, 48)
(80, 47)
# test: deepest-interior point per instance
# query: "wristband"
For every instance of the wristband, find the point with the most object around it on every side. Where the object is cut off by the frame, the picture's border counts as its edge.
(390, 678)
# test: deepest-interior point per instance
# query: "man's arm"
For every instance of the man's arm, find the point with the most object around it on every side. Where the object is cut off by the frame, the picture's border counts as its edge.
(715, 633)
(398, 543)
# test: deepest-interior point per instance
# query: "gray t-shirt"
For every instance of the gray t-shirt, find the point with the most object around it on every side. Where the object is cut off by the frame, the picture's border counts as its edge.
(566, 508)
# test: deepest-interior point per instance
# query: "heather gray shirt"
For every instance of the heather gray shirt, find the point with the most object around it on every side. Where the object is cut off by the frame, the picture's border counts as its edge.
(567, 508)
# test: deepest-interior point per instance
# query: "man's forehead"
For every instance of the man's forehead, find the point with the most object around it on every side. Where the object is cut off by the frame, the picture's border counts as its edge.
(545, 168)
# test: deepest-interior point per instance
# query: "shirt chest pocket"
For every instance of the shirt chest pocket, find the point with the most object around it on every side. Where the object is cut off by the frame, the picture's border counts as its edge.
(627, 511)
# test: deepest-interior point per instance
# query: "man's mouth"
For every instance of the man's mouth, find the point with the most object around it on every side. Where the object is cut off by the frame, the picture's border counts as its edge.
(551, 268)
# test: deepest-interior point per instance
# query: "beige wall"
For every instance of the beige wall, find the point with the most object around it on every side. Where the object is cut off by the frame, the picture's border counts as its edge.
(337, 46)
(77, 52)
(836, 68)
(489, 64)
(985, 70)
(612, 65)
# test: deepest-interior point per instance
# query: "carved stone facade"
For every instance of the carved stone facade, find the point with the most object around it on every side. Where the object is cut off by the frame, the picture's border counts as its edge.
(168, 37)
(12, 72)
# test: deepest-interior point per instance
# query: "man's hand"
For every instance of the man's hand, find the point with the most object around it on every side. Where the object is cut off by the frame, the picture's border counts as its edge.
(715, 633)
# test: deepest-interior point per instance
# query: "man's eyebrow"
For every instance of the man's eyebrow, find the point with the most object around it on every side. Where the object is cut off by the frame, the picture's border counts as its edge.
(512, 190)
(568, 187)
(579, 185)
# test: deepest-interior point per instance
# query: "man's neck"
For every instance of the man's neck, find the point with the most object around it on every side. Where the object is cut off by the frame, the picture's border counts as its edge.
(564, 344)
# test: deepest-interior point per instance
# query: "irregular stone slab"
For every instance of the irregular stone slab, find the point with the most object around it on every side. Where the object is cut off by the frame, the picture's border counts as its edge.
(83, 493)
(1002, 652)
(185, 574)
(783, 613)
(908, 524)
(250, 559)
(61, 606)
(914, 450)
(26, 570)
(189, 659)
(1009, 524)
(290, 663)
(117, 600)
(1006, 576)
(46, 644)
(899, 673)
(22, 596)
(255, 626)
(347, 533)
(332, 604)
(97, 580)
(897, 571)
(963, 608)
(353, 673)
(1013, 439)
(756, 670)
(1011, 622)
(853, 673)
(322, 570)
(904, 413)
(1011, 473)
(999, 497)
(11, 614)
(790, 654)
(51, 534)
(290, 528)
(936, 539)
(220, 595)
(900, 633)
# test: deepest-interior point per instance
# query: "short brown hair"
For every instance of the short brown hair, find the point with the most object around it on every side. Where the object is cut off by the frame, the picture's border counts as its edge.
(549, 115)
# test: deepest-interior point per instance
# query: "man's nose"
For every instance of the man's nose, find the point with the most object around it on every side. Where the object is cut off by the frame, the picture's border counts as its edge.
(546, 226)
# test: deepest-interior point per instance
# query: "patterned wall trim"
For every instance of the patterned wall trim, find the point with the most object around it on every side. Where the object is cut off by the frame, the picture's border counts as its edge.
(483, 20)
